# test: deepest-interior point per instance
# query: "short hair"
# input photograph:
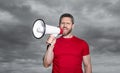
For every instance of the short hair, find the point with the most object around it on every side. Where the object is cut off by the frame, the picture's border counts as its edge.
(66, 15)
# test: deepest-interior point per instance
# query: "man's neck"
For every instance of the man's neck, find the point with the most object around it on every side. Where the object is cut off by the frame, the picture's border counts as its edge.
(68, 36)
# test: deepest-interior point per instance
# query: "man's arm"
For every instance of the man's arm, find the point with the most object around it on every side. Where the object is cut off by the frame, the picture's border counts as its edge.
(87, 64)
(48, 58)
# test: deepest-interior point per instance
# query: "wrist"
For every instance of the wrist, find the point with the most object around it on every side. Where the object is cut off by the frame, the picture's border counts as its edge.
(50, 46)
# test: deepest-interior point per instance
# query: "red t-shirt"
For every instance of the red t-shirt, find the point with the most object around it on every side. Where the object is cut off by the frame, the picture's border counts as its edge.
(68, 55)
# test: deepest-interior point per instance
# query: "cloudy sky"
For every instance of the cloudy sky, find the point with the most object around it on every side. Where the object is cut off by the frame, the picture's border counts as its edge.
(96, 21)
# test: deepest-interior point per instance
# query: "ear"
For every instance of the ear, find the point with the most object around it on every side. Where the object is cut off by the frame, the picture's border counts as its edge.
(73, 25)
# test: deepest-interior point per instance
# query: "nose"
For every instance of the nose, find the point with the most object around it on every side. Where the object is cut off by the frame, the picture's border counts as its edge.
(65, 25)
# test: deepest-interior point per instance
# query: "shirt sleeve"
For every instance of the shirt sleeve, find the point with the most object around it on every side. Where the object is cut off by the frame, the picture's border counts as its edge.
(85, 48)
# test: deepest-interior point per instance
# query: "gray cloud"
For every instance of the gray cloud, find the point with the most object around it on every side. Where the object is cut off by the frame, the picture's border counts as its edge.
(93, 16)
(103, 39)
(83, 11)
(96, 21)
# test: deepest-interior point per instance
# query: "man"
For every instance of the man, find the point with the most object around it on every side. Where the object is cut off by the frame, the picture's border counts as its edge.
(68, 52)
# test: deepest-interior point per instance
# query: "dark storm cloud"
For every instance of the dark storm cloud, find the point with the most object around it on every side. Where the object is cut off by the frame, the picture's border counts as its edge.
(115, 9)
(83, 10)
(15, 36)
(96, 21)
(21, 12)
(103, 40)
(86, 12)
(52, 3)
(14, 39)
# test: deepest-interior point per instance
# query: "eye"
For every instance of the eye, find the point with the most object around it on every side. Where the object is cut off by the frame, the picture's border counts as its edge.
(62, 23)
(68, 23)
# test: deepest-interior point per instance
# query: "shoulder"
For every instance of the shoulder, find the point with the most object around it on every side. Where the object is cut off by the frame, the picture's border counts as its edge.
(84, 42)
(79, 39)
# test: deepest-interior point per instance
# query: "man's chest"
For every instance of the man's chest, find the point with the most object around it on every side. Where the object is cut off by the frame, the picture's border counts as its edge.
(68, 49)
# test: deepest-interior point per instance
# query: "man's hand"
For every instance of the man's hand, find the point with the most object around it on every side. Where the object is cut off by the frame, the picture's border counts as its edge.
(51, 40)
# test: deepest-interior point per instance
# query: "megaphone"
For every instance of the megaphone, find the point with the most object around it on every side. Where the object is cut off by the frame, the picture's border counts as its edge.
(40, 29)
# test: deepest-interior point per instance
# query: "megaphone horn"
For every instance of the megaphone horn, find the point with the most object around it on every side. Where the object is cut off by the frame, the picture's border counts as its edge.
(40, 29)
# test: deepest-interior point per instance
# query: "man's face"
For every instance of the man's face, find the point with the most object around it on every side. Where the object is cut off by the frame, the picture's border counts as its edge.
(66, 25)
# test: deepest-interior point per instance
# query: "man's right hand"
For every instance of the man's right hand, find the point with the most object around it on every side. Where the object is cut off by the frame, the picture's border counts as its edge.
(51, 40)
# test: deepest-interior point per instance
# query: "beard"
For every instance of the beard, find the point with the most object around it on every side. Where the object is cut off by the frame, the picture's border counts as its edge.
(66, 32)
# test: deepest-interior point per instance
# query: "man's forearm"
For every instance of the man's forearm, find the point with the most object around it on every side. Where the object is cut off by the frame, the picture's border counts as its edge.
(48, 56)
(88, 69)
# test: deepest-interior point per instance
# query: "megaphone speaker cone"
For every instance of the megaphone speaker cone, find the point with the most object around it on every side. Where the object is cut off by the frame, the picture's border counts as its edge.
(39, 28)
